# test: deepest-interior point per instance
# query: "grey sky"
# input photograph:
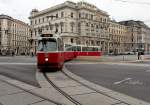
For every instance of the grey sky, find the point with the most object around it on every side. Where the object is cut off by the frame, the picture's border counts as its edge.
(117, 10)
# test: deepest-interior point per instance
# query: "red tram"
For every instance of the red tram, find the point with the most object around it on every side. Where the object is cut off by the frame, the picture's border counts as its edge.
(52, 52)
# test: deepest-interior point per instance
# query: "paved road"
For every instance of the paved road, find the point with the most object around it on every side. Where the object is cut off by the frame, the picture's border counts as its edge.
(131, 80)
(20, 68)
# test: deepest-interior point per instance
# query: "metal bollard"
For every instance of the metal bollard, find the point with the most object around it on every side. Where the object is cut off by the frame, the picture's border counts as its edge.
(123, 58)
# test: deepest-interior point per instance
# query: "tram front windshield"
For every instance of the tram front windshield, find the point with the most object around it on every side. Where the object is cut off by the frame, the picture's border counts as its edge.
(47, 45)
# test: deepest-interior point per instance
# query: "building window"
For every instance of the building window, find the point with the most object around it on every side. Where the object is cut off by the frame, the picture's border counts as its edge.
(79, 15)
(47, 27)
(43, 20)
(35, 21)
(31, 34)
(87, 24)
(39, 20)
(72, 26)
(92, 25)
(56, 25)
(86, 15)
(62, 14)
(62, 25)
(39, 30)
(97, 26)
(57, 15)
(51, 27)
(35, 32)
(31, 22)
(71, 40)
(91, 17)
(71, 14)
(92, 42)
(101, 19)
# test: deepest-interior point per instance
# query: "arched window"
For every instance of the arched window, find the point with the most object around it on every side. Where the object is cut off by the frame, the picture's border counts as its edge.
(61, 26)
(56, 25)
(79, 15)
(71, 14)
(71, 40)
(72, 26)
(87, 24)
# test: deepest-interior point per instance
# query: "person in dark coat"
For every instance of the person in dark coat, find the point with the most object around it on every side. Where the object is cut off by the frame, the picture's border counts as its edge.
(139, 54)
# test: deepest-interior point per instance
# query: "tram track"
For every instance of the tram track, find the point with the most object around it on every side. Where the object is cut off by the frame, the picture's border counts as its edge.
(61, 91)
(54, 80)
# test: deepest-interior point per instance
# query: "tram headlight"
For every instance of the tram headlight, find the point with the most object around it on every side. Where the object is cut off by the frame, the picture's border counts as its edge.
(46, 59)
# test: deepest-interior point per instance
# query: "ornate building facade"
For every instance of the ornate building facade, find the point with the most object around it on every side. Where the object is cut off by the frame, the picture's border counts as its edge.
(14, 35)
(118, 37)
(138, 36)
(84, 24)
(77, 23)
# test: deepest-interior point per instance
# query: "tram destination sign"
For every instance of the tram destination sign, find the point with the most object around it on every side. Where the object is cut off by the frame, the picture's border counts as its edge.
(47, 35)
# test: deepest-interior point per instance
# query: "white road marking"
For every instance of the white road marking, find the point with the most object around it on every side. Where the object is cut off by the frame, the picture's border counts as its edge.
(78, 63)
(16, 63)
(147, 70)
(119, 82)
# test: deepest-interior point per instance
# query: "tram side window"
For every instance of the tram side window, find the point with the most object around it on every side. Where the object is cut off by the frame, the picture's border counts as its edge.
(40, 46)
(78, 48)
(84, 49)
(89, 49)
(95, 49)
(74, 48)
(68, 47)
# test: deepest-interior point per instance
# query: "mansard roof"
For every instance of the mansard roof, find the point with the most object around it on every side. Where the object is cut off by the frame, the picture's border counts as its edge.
(134, 23)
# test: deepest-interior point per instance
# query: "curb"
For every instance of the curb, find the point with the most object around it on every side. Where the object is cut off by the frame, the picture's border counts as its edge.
(105, 91)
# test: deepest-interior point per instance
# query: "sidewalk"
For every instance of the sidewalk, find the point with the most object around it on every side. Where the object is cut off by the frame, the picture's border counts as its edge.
(107, 58)
(12, 95)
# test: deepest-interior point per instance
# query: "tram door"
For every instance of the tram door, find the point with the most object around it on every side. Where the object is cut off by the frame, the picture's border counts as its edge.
(60, 45)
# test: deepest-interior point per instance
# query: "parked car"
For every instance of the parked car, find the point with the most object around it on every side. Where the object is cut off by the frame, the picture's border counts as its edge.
(128, 53)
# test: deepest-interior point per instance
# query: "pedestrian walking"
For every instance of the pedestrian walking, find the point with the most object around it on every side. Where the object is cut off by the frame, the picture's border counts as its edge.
(31, 52)
(142, 55)
(13, 53)
(139, 54)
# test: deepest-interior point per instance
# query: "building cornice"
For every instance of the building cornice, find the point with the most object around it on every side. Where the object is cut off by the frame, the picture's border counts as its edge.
(54, 8)
(66, 4)
(13, 20)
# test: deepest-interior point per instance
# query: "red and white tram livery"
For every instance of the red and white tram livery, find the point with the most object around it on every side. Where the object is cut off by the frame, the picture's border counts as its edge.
(50, 52)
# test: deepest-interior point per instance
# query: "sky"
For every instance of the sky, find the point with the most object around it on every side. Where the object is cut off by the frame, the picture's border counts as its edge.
(118, 10)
